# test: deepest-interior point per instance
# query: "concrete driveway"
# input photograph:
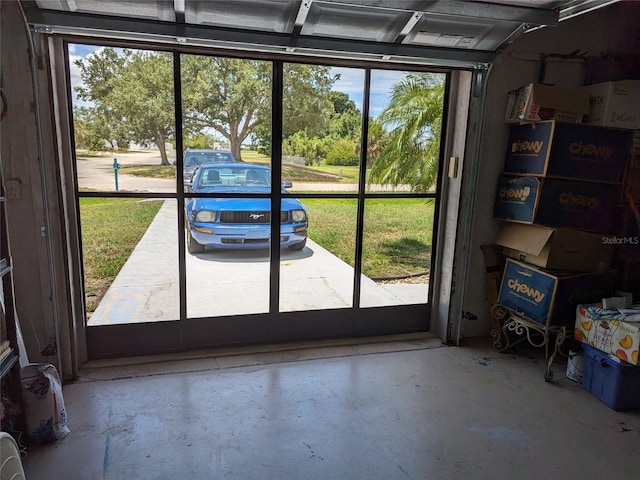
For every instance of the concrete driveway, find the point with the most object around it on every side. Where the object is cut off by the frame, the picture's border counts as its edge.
(232, 282)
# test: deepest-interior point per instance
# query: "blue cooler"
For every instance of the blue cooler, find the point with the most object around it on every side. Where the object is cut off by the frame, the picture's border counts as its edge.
(616, 384)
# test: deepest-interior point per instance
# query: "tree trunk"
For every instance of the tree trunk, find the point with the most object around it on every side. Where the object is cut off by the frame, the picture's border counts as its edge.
(235, 149)
(162, 146)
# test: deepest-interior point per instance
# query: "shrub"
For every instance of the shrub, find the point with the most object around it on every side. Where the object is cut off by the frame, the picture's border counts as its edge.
(343, 152)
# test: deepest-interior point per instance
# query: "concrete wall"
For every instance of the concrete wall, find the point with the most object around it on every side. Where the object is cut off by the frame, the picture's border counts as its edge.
(614, 29)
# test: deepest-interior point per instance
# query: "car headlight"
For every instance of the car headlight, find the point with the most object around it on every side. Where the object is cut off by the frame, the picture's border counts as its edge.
(298, 216)
(207, 216)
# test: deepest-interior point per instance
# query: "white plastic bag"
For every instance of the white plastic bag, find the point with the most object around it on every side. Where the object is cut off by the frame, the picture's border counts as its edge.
(45, 415)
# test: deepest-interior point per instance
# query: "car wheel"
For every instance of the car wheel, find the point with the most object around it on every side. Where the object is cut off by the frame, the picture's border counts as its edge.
(299, 245)
(192, 245)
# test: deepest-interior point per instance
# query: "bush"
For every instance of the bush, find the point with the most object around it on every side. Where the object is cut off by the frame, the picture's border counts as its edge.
(343, 152)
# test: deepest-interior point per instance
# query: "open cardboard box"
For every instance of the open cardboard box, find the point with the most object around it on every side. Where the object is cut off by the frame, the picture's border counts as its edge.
(556, 248)
(535, 102)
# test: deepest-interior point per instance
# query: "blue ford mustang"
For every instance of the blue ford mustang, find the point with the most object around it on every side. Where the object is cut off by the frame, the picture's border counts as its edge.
(224, 222)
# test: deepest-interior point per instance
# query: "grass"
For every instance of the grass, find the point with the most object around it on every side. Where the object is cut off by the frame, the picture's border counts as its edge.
(80, 154)
(111, 228)
(150, 171)
(396, 238)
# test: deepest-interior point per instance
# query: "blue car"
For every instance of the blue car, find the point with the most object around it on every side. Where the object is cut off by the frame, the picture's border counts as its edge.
(240, 222)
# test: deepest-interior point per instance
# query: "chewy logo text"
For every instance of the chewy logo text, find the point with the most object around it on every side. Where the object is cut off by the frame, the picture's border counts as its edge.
(525, 146)
(571, 199)
(590, 149)
(514, 284)
(519, 193)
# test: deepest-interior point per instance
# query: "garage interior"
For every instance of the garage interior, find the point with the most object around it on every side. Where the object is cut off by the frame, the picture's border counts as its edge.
(434, 403)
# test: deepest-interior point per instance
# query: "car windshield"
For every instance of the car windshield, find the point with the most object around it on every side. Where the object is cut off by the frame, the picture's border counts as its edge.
(198, 158)
(234, 177)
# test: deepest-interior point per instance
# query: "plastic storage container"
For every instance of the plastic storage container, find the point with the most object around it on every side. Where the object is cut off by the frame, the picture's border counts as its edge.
(617, 384)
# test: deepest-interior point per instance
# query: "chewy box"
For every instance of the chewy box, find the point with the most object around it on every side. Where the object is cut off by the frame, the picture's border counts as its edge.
(608, 334)
(585, 206)
(547, 297)
(614, 383)
(564, 150)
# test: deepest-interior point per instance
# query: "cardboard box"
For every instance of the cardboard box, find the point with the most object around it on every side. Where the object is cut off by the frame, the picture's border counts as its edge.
(556, 248)
(614, 104)
(632, 179)
(613, 383)
(562, 150)
(548, 297)
(587, 206)
(608, 332)
(494, 266)
(536, 102)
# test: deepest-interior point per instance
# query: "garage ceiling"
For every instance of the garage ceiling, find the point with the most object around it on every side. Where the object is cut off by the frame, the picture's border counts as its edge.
(414, 31)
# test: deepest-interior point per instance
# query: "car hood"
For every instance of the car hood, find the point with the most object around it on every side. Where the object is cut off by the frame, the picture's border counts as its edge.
(244, 204)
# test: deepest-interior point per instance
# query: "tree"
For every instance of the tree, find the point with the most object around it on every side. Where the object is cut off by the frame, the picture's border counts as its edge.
(132, 93)
(306, 101)
(231, 96)
(300, 145)
(99, 74)
(414, 117)
(346, 119)
(90, 132)
(306, 104)
(199, 140)
(376, 141)
(144, 96)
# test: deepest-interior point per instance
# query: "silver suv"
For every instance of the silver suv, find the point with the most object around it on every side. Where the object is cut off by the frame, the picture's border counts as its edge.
(193, 158)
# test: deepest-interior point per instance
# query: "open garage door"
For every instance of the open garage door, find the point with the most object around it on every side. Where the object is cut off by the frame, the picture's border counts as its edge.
(188, 165)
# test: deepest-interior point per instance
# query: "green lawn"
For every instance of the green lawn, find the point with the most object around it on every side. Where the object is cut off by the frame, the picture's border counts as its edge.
(150, 171)
(396, 239)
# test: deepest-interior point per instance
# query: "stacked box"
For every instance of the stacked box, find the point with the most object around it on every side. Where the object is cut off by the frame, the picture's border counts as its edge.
(535, 102)
(548, 297)
(614, 104)
(608, 332)
(615, 383)
(587, 206)
(561, 150)
(556, 248)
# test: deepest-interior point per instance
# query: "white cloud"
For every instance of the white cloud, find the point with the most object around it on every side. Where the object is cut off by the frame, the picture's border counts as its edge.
(79, 52)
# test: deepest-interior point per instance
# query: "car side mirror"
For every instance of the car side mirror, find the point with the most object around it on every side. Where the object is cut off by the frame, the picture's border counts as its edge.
(175, 162)
(287, 184)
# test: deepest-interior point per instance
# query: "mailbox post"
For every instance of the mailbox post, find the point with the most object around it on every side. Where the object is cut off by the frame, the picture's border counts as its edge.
(116, 166)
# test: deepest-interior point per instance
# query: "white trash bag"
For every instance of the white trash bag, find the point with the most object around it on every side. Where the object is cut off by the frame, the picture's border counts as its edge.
(45, 415)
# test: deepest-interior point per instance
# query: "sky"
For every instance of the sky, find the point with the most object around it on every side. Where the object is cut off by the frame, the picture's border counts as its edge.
(351, 80)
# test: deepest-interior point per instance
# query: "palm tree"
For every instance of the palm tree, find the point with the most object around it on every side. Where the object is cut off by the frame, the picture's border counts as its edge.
(414, 120)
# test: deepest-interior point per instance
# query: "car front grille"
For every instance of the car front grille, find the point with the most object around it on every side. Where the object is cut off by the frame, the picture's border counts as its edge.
(250, 217)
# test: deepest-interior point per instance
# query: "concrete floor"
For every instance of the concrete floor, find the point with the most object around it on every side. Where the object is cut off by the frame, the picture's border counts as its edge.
(403, 407)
